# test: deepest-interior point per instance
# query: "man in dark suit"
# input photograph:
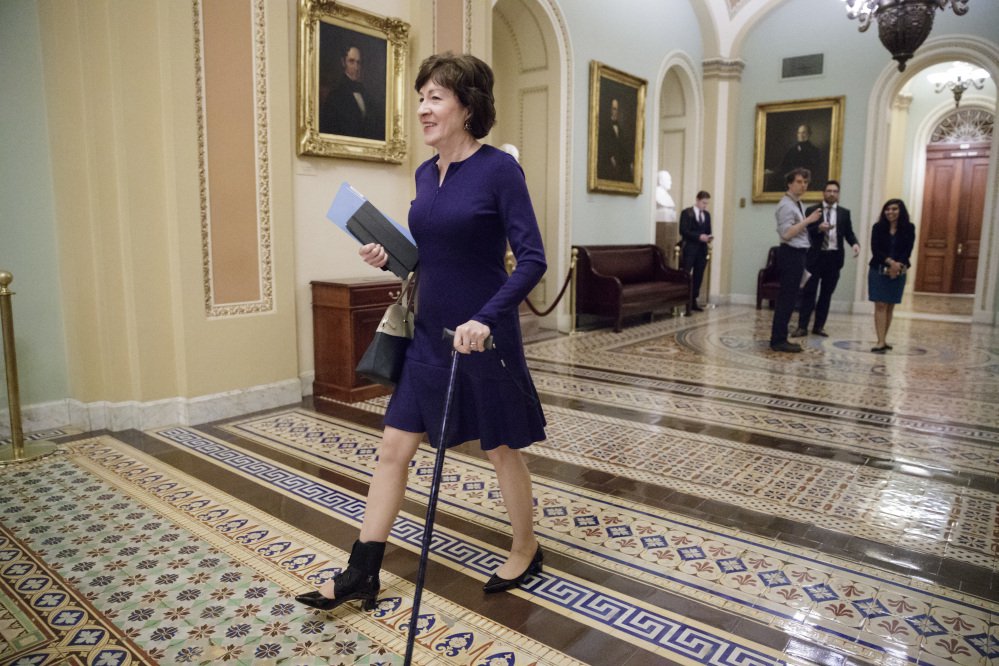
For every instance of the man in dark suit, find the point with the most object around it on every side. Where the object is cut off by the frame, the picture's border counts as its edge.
(613, 162)
(349, 109)
(695, 231)
(804, 155)
(828, 237)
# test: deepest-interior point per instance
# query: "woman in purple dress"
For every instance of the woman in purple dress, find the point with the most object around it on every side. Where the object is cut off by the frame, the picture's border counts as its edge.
(471, 199)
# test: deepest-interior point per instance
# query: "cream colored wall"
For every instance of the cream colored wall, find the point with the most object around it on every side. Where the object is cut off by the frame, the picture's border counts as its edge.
(120, 83)
(323, 252)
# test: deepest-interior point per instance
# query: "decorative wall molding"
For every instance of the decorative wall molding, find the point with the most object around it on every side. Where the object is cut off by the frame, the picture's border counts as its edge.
(468, 26)
(902, 101)
(726, 69)
(967, 125)
(103, 415)
(262, 149)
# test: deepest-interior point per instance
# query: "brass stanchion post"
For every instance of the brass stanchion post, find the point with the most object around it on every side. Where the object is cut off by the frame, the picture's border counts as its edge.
(17, 451)
(707, 284)
(677, 249)
(572, 291)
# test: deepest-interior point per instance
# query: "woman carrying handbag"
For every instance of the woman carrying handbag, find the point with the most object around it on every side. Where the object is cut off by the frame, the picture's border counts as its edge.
(471, 200)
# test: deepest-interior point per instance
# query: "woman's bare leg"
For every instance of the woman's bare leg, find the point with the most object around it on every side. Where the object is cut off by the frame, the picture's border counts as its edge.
(890, 310)
(515, 485)
(881, 322)
(387, 489)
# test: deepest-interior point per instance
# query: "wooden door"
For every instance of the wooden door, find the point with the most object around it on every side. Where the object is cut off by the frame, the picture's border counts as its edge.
(951, 220)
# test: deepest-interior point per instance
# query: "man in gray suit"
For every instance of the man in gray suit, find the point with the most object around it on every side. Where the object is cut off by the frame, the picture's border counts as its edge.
(829, 238)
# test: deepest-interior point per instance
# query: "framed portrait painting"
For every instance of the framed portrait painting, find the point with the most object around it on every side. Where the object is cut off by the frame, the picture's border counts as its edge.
(803, 133)
(617, 131)
(351, 91)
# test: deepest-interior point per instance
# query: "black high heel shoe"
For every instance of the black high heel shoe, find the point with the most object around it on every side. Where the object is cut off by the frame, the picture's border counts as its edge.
(358, 582)
(497, 584)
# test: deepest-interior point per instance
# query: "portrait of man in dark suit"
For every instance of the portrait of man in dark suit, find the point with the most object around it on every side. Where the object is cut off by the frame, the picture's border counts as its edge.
(805, 155)
(797, 139)
(352, 84)
(616, 140)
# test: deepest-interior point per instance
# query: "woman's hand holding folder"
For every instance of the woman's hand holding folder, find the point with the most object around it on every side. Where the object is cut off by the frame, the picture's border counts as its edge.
(373, 254)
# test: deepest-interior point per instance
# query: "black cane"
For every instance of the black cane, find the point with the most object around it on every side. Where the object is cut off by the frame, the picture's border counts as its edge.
(428, 526)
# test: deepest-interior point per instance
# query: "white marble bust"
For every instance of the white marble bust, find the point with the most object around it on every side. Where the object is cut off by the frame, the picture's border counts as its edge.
(512, 150)
(665, 207)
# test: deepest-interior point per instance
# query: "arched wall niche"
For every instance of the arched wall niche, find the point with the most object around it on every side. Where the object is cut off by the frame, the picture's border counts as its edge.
(677, 138)
(530, 54)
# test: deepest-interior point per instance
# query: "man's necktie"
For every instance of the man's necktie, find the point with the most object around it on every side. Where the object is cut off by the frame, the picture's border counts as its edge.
(825, 238)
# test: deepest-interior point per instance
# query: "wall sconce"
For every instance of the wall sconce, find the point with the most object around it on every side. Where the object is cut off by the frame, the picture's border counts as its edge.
(957, 79)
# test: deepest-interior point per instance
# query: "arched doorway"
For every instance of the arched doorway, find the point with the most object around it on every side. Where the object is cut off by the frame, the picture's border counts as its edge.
(881, 162)
(531, 64)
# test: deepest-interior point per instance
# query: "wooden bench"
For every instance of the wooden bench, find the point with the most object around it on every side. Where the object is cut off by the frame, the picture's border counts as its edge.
(621, 280)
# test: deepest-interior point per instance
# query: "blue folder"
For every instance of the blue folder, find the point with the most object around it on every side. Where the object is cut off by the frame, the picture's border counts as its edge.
(357, 216)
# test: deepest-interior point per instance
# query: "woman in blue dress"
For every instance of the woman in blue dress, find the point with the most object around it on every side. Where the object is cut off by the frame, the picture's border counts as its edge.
(471, 200)
(892, 239)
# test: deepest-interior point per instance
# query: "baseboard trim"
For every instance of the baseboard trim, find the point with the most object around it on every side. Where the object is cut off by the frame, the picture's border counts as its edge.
(132, 414)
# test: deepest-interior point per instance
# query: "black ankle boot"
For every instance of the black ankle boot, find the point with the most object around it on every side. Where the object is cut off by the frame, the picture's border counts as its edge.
(358, 581)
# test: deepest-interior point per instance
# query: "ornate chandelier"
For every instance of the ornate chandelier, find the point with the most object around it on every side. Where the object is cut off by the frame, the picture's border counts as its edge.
(903, 25)
(957, 79)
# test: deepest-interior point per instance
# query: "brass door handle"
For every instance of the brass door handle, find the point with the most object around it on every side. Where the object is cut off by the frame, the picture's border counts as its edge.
(960, 249)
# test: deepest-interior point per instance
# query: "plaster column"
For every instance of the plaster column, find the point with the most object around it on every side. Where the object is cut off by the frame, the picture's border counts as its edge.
(897, 126)
(722, 77)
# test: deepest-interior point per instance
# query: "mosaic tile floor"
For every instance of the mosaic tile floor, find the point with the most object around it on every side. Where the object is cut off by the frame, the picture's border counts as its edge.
(122, 560)
(699, 499)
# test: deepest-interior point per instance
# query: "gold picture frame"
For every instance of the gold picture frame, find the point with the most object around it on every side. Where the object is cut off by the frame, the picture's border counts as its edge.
(617, 131)
(802, 133)
(351, 91)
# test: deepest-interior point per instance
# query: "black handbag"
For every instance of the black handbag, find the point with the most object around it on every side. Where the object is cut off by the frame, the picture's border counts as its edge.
(383, 359)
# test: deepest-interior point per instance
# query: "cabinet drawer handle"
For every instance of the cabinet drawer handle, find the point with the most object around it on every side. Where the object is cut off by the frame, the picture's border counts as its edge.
(394, 294)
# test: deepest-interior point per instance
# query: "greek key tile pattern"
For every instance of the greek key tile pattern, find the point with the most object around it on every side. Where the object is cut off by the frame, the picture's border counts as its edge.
(881, 505)
(655, 629)
(140, 555)
(862, 610)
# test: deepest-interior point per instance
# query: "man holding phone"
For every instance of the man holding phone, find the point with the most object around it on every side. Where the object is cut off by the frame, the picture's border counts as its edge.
(695, 230)
(828, 238)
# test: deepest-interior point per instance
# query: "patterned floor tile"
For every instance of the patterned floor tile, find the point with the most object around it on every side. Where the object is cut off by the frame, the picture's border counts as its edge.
(927, 377)
(711, 564)
(590, 604)
(200, 585)
(876, 504)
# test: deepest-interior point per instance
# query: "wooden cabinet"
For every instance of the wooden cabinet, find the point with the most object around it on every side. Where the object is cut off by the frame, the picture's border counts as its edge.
(345, 314)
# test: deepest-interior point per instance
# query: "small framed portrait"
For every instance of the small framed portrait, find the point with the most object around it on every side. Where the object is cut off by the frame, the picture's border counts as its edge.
(804, 133)
(617, 131)
(351, 91)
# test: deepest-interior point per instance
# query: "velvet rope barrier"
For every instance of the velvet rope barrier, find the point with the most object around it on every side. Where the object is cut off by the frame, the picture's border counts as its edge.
(558, 299)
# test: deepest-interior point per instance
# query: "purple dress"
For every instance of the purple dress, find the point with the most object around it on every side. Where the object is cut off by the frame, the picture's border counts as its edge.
(462, 228)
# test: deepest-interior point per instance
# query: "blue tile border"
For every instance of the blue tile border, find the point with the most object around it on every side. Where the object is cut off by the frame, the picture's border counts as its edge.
(649, 627)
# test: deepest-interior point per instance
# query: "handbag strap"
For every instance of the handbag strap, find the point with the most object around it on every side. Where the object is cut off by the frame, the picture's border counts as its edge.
(407, 295)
